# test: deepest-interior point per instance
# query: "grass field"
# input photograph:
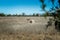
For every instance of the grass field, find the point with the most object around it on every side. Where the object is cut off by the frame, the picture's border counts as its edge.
(19, 28)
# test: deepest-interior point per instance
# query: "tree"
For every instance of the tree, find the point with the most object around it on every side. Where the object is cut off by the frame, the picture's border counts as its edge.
(2, 14)
(59, 2)
(55, 8)
(34, 14)
(37, 14)
(23, 14)
(9, 15)
(43, 5)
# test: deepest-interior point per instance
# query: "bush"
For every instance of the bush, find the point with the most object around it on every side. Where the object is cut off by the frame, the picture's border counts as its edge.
(9, 15)
(37, 14)
(2, 14)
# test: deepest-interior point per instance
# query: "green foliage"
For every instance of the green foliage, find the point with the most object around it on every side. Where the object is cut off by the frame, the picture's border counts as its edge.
(59, 2)
(9, 15)
(2, 14)
(52, 1)
(34, 14)
(42, 1)
(37, 14)
(43, 7)
(43, 4)
(46, 14)
(56, 13)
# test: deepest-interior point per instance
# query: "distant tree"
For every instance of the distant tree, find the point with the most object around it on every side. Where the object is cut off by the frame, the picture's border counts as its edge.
(37, 14)
(19, 15)
(34, 14)
(9, 15)
(16, 14)
(23, 14)
(2, 14)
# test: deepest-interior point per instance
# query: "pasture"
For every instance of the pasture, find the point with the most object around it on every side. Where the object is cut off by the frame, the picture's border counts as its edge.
(19, 28)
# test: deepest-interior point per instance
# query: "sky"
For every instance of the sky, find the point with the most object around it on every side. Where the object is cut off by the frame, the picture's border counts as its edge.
(21, 6)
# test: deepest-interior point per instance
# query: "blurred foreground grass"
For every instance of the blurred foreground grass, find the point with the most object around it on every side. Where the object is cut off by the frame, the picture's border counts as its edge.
(30, 36)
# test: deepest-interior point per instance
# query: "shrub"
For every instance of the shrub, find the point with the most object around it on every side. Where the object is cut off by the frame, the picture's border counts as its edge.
(2, 14)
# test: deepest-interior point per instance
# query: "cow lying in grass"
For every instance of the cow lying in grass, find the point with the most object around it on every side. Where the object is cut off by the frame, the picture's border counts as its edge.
(31, 20)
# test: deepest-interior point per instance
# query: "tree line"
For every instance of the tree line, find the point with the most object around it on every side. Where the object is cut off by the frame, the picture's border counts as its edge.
(23, 14)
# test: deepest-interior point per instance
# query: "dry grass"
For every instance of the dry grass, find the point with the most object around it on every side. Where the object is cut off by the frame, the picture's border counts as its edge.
(17, 28)
(29, 36)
